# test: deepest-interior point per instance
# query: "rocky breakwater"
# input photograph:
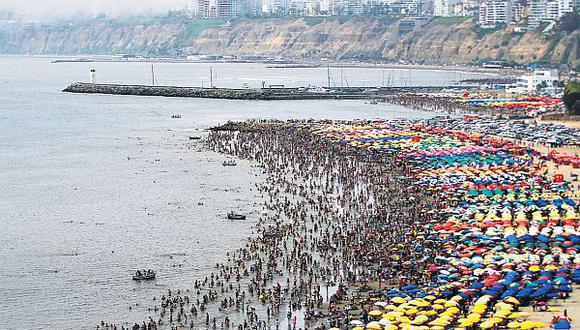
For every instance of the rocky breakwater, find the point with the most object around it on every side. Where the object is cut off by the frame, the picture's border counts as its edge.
(224, 93)
(166, 91)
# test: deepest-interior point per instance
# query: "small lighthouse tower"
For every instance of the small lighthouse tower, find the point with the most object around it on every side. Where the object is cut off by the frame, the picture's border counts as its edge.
(93, 76)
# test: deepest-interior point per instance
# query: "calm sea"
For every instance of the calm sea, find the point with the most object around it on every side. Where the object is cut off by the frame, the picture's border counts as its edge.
(94, 187)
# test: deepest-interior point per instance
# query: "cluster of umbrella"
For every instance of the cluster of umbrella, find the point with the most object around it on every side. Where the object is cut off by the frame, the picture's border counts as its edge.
(525, 102)
(508, 235)
(524, 130)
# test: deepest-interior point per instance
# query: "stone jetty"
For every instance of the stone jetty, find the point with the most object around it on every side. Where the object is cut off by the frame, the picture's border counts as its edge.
(301, 93)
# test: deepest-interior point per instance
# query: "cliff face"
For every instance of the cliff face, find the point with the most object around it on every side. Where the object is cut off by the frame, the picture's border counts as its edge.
(97, 37)
(440, 42)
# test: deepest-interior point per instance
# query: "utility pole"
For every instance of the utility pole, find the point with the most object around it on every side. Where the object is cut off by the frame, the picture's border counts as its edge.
(210, 77)
(383, 78)
(152, 76)
(328, 74)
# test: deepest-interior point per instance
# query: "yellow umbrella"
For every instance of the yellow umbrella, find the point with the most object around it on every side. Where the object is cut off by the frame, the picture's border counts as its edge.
(423, 304)
(404, 319)
(358, 328)
(438, 307)
(437, 327)
(451, 303)
(527, 325)
(374, 326)
(520, 315)
(375, 313)
(430, 297)
(412, 311)
(513, 325)
(474, 317)
(486, 325)
(440, 301)
(466, 323)
(453, 310)
(553, 309)
(496, 320)
(398, 300)
(430, 313)
(479, 309)
(512, 300)
(419, 320)
(390, 307)
(391, 327)
(540, 325)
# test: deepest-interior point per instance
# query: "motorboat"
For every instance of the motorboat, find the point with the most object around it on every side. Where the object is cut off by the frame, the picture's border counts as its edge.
(175, 116)
(236, 216)
(195, 137)
(229, 163)
(144, 275)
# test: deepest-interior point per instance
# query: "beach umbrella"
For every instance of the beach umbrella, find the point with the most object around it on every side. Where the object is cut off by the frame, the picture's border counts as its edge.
(512, 300)
(374, 326)
(375, 313)
(562, 324)
(466, 323)
(398, 300)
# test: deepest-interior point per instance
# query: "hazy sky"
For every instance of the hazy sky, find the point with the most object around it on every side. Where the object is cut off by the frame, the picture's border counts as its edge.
(59, 8)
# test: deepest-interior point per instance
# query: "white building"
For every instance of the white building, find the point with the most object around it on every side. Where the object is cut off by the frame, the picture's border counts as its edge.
(517, 12)
(493, 13)
(529, 83)
(548, 11)
(444, 8)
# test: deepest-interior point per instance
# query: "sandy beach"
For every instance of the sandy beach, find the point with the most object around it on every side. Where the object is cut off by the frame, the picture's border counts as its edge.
(388, 225)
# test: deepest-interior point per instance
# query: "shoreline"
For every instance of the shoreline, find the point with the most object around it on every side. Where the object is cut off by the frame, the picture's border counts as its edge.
(309, 64)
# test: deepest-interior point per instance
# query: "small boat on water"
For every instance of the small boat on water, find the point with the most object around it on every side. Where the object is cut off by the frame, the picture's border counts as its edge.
(144, 275)
(195, 137)
(236, 216)
(229, 163)
(175, 116)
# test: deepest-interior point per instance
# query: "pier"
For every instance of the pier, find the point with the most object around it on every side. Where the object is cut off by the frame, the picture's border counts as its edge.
(299, 93)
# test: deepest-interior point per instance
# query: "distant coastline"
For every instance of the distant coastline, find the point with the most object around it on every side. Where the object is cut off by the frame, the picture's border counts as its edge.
(326, 40)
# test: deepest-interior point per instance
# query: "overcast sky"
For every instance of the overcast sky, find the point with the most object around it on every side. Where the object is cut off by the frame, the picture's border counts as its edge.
(59, 8)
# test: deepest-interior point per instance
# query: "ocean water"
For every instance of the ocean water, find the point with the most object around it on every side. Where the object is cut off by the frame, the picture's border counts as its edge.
(94, 187)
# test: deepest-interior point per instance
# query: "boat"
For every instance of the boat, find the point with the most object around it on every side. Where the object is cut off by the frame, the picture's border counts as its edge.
(229, 163)
(236, 216)
(195, 137)
(175, 116)
(144, 275)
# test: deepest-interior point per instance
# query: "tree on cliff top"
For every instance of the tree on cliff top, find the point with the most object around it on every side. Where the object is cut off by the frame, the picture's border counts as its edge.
(571, 97)
(570, 22)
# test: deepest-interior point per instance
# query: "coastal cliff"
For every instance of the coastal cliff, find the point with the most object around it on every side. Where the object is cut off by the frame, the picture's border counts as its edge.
(442, 41)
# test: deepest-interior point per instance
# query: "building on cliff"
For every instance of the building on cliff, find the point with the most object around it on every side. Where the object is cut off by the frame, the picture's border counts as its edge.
(493, 13)
(548, 11)
(217, 9)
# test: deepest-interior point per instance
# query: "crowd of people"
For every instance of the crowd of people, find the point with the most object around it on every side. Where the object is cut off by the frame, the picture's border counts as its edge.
(361, 213)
